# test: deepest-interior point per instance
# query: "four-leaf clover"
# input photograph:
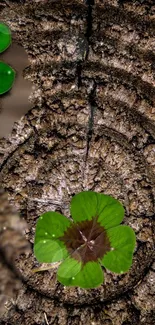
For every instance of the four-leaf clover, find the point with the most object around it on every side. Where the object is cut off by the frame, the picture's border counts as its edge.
(7, 74)
(93, 239)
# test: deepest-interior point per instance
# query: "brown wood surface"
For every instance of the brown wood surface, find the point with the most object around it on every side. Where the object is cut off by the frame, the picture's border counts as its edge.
(91, 126)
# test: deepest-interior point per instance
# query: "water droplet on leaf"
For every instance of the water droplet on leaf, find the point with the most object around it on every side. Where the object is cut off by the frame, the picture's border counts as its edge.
(5, 37)
(7, 77)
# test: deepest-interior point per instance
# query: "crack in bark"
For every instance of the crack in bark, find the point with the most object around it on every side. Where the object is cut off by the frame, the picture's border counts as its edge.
(88, 33)
(93, 106)
(91, 98)
(90, 3)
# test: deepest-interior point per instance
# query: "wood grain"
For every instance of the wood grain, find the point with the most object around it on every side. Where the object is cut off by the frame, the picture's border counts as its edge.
(92, 126)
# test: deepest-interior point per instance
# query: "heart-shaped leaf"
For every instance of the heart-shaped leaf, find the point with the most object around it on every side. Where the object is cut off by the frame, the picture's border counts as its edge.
(89, 276)
(47, 246)
(123, 241)
(88, 204)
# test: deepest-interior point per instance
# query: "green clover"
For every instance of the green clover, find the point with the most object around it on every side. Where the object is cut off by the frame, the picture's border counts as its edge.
(93, 239)
(7, 74)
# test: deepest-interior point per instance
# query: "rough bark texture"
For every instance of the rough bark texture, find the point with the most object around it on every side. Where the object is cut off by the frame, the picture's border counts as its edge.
(92, 126)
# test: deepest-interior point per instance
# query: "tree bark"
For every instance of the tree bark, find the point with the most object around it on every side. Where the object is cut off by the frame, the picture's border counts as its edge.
(91, 126)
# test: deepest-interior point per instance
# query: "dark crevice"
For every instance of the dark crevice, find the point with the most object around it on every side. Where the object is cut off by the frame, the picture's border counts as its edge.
(91, 97)
(87, 35)
(90, 3)
(92, 105)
